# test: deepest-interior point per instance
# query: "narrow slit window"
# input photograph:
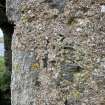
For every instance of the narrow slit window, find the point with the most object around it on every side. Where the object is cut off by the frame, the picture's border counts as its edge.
(1, 44)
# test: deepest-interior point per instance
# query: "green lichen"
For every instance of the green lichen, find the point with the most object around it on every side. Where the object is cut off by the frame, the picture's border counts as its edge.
(76, 94)
(24, 8)
(71, 21)
(24, 18)
(16, 67)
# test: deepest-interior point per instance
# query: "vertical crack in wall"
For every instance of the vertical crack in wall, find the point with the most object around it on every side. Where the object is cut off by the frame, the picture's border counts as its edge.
(45, 59)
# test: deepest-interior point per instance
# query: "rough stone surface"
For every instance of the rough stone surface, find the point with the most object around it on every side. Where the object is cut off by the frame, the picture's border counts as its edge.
(58, 56)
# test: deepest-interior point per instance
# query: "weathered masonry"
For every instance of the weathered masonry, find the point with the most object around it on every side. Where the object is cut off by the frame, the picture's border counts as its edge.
(58, 52)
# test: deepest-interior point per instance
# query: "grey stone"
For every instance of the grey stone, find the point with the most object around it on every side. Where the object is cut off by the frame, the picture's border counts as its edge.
(70, 68)
(51, 83)
(59, 4)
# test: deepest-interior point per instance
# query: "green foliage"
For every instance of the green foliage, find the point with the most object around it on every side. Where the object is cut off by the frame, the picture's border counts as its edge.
(4, 76)
(2, 67)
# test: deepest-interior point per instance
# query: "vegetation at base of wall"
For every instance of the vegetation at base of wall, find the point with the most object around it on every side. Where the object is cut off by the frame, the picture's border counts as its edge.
(4, 84)
(4, 76)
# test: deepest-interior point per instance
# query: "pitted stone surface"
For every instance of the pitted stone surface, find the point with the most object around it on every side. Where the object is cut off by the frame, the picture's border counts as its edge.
(58, 57)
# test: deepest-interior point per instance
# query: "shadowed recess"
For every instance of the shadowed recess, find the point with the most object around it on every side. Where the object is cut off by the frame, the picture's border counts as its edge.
(7, 28)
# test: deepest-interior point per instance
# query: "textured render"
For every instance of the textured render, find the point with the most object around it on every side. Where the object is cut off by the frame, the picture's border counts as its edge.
(58, 52)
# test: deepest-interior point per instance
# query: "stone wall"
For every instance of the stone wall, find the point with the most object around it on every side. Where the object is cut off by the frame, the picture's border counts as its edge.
(58, 52)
